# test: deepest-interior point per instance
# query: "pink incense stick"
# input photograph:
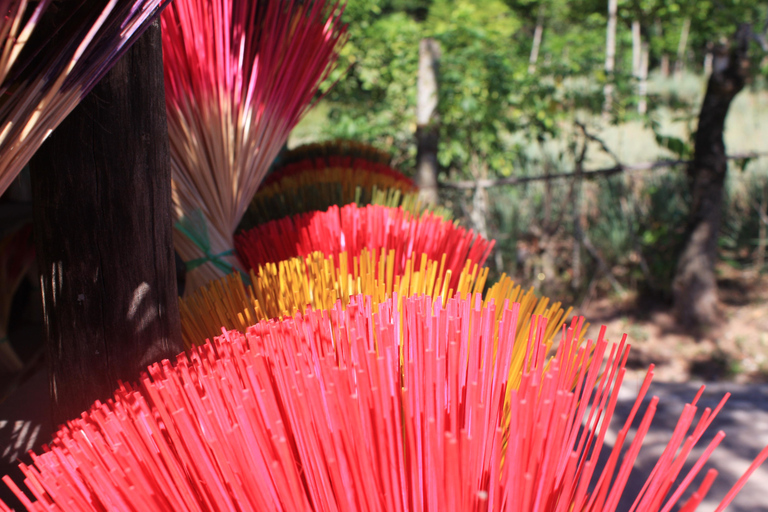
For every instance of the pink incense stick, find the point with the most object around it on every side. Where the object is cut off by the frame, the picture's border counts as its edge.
(385, 409)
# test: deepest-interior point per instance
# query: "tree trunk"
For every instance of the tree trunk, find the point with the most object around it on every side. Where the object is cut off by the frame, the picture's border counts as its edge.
(537, 35)
(681, 46)
(664, 66)
(636, 48)
(610, 57)
(708, 59)
(658, 32)
(762, 232)
(694, 286)
(642, 85)
(102, 213)
(427, 133)
(479, 214)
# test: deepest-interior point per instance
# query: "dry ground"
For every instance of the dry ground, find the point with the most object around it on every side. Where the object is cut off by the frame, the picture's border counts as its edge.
(736, 350)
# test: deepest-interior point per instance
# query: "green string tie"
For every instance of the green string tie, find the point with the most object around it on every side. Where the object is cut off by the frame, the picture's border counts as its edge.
(195, 227)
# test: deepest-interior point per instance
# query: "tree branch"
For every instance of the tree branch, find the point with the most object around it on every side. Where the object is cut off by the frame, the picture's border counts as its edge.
(607, 171)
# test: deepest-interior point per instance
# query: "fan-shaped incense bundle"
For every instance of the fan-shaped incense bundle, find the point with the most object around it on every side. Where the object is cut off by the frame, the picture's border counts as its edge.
(288, 287)
(344, 410)
(46, 70)
(300, 189)
(332, 149)
(318, 176)
(351, 229)
(239, 75)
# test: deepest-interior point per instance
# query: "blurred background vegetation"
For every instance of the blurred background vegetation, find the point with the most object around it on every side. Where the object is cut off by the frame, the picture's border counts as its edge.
(521, 93)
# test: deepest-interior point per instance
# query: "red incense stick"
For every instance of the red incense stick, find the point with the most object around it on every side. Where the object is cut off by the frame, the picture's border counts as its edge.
(352, 228)
(239, 75)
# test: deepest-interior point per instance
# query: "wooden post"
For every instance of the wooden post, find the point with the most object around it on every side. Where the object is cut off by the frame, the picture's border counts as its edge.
(537, 35)
(427, 131)
(102, 212)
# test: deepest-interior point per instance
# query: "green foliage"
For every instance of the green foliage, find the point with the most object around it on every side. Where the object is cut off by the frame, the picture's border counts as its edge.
(497, 119)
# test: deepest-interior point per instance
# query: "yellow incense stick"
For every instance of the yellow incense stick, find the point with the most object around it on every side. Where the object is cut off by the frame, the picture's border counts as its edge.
(287, 287)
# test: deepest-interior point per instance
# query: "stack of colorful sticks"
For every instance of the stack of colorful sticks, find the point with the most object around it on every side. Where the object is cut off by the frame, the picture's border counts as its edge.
(351, 229)
(286, 288)
(238, 76)
(46, 70)
(347, 410)
(317, 176)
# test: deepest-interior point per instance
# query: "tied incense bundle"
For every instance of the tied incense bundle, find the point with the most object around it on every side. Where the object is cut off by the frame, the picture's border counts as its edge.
(347, 410)
(238, 77)
(321, 176)
(52, 55)
(286, 288)
(351, 229)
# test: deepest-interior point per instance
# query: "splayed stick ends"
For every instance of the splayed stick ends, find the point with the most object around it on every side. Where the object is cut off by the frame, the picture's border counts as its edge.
(239, 76)
(288, 287)
(346, 410)
(317, 176)
(352, 228)
(52, 56)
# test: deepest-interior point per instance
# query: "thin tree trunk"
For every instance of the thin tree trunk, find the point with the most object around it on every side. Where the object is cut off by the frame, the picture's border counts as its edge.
(694, 286)
(537, 35)
(762, 232)
(479, 213)
(546, 236)
(102, 212)
(664, 65)
(709, 58)
(681, 46)
(658, 32)
(642, 86)
(636, 48)
(610, 57)
(427, 134)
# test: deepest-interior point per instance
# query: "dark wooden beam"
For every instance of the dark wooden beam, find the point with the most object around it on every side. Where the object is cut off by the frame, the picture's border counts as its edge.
(102, 212)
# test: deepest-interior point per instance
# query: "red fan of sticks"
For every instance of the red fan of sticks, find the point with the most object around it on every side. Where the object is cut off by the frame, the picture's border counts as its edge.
(342, 162)
(351, 229)
(238, 77)
(46, 71)
(351, 409)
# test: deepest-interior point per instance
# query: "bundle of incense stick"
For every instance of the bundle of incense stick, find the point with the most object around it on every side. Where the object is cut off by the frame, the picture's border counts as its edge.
(286, 288)
(239, 76)
(344, 410)
(351, 228)
(299, 188)
(52, 55)
(335, 148)
(317, 176)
